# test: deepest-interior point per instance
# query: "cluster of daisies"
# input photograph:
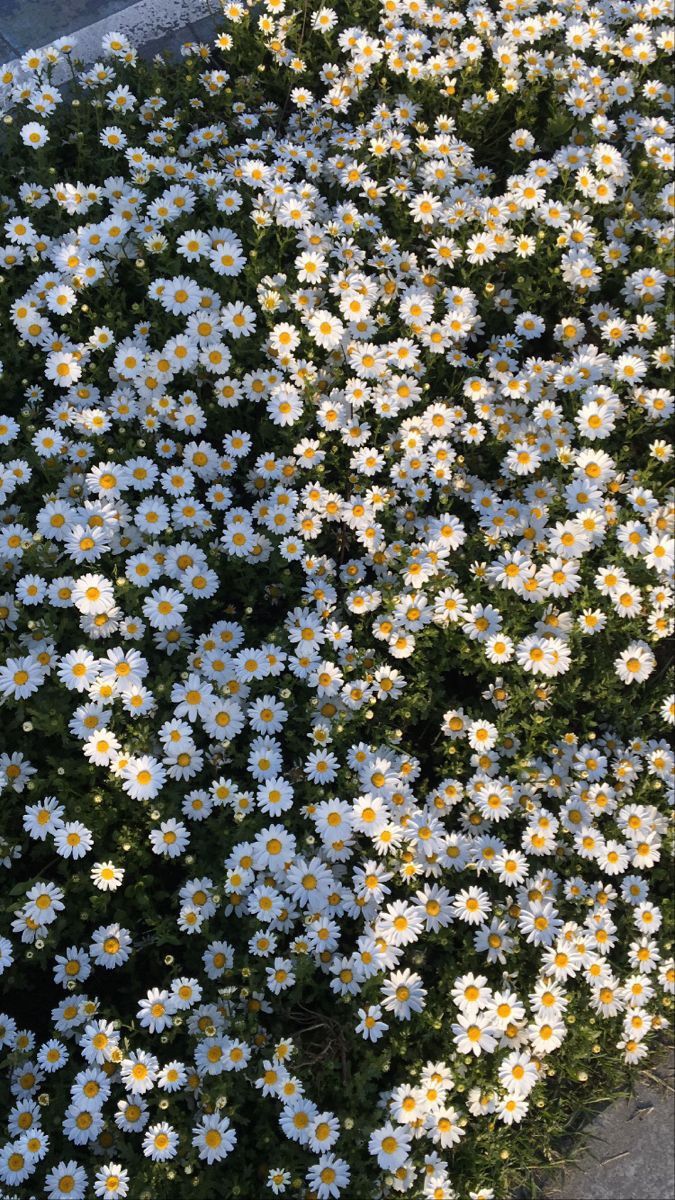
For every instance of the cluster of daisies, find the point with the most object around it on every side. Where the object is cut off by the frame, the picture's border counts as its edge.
(336, 549)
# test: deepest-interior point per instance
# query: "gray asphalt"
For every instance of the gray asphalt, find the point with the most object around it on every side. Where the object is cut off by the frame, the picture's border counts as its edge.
(27, 24)
(630, 1146)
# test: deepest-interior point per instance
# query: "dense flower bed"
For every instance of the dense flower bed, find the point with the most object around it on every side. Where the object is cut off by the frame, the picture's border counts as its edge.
(336, 540)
